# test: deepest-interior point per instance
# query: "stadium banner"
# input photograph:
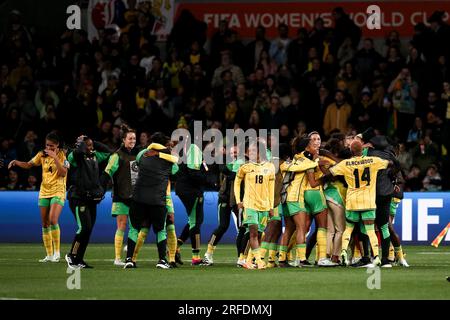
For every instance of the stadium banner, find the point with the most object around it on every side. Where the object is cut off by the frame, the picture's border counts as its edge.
(420, 218)
(106, 14)
(245, 17)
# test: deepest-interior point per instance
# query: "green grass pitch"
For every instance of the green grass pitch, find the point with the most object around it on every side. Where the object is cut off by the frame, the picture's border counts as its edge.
(23, 277)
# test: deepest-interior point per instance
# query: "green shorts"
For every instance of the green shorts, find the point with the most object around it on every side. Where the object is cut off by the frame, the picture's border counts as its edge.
(332, 195)
(277, 213)
(119, 209)
(314, 201)
(356, 216)
(47, 202)
(291, 208)
(254, 217)
(393, 208)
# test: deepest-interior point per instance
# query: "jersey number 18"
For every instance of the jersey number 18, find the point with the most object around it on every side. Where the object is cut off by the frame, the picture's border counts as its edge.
(258, 179)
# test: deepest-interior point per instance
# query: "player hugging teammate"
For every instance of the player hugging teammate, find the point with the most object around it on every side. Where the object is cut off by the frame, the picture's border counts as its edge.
(347, 188)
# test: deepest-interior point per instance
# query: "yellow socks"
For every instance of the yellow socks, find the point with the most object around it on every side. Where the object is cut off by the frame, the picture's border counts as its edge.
(283, 253)
(263, 249)
(399, 253)
(372, 238)
(347, 235)
(210, 249)
(250, 256)
(118, 241)
(391, 256)
(301, 251)
(56, 237)
(47, 239)
(272, 252)
(322, 243)
(140, 242)
(171, 242)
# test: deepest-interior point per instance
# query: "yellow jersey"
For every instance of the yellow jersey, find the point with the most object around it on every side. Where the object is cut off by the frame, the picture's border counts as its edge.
(336, 184)
(298, 166)
(360, 173)
(259, 185)
(52, 184)
(317, 175)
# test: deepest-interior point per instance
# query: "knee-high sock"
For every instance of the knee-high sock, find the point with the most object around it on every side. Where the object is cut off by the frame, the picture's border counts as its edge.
(385, 240)
(171, 242)
(373, 239)
(47, 239)
(263, 249)
(399, 252)
(239, 240)
(347, 235)
(301, 251)
(211, 246)
(131, 245)
(272, 252)
(118, 241)
(283, 253)
(391, 253)
(56, 237)
(322, 243)
(161, 238)
(140, 242)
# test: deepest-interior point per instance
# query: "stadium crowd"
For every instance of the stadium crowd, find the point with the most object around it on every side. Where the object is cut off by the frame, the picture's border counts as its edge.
(328, 79)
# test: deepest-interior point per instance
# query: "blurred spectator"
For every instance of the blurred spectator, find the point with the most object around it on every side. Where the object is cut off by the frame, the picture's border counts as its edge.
(425, 153)
(337, 115)
(279, 46)
(404, 157)
(432, 180)
(416, 133)
(32, 184)
(12, 182)
(227, 65)
(413, 181)
(144, 140)
(345, 27)
(405, 93)
(366, 60)
(256, 47)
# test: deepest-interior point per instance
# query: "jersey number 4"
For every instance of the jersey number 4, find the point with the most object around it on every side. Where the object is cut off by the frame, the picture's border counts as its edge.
(258, 179)
(364, 177)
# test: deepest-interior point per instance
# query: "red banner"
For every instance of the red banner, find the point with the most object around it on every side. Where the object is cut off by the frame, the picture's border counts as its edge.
(245, 17)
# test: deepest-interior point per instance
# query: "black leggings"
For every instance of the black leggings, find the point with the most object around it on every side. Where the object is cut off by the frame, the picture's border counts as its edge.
(224, 222)
(85, 213)
(382, 221)
(194, 209)
(144, 216)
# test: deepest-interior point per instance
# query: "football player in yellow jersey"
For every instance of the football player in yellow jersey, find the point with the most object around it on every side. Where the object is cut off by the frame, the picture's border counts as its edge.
(335, 191)
(274, 227)
(259, 186)
(294, 176)
(360, 173)
(52, 193)
(315, 205)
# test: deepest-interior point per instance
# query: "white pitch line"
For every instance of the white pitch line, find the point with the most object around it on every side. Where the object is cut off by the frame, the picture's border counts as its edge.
(437, 253)
(8, 298)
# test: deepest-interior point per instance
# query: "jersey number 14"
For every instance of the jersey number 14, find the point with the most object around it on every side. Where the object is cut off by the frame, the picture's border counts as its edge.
(364, 177)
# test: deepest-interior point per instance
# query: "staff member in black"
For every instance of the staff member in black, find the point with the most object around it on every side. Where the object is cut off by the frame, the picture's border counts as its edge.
(379, 147)
(190, 184)
(148, 206)
(85, 192)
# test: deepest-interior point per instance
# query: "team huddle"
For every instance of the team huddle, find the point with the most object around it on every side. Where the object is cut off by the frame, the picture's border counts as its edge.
(349, 187)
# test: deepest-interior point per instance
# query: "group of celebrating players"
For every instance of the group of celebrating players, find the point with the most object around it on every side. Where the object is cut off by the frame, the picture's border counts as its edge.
(350, 188)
